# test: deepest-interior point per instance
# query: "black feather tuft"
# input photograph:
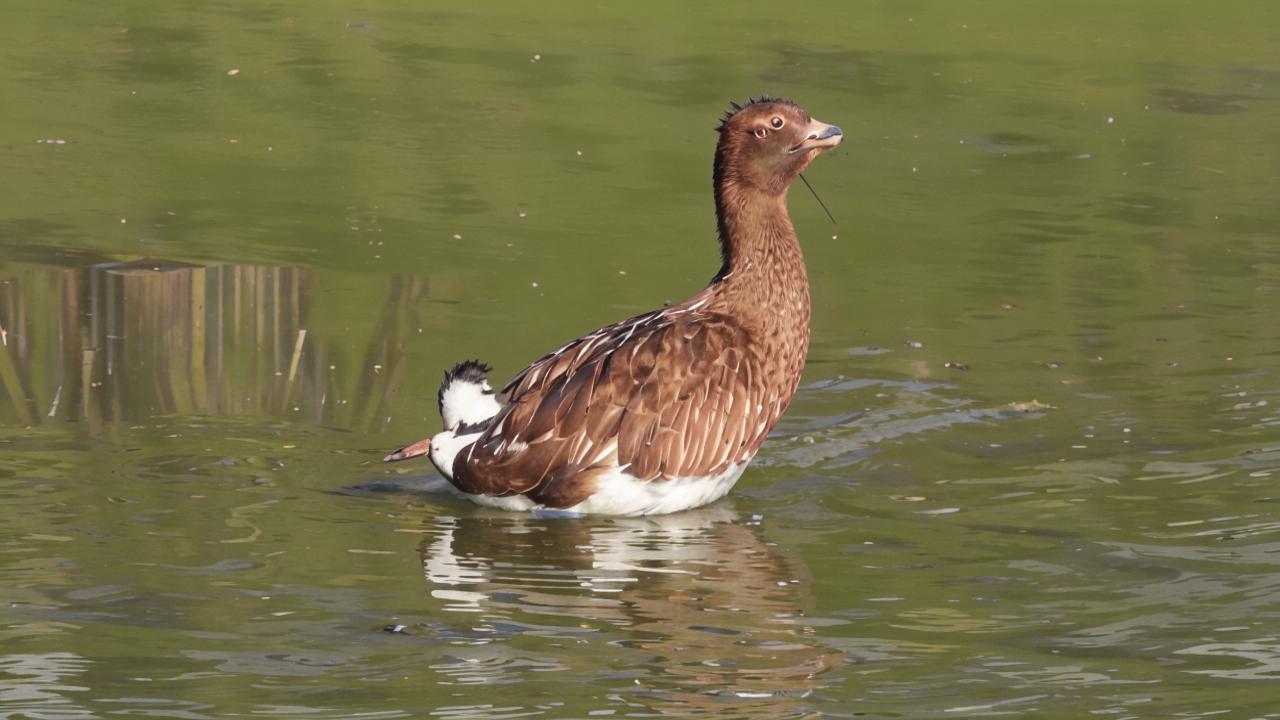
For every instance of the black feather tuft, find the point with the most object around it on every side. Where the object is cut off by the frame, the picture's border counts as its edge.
(469, 371)
(472, 371)
(735, 108)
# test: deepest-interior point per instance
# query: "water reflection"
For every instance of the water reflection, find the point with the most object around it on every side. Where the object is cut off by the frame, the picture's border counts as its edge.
(696, 612)
(42, 685)
(1262, 658)
(126, 341)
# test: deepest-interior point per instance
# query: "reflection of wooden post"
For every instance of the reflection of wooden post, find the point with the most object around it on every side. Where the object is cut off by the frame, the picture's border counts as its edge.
(256, 368)
(199, 374)
(134, 339)
(147, 334)
(216, 331)
(235, 302)
(92, 338)
(70, 337)
(12, 339)
(174, 332)
(374, 388)
(276, 337)
(9, 375)
(118, 357)
(86, 382)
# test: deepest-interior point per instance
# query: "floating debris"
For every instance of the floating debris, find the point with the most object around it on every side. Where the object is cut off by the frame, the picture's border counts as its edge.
(914, 344)
(955, 365)
(233, 72)
(57, 396)
(297, 355)
(1029, 406)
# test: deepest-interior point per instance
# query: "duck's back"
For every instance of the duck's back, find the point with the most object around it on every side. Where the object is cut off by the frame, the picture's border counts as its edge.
(677, 397)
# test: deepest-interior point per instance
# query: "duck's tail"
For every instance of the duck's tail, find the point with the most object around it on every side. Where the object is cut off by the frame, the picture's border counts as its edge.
(467, 402)
(467, 406)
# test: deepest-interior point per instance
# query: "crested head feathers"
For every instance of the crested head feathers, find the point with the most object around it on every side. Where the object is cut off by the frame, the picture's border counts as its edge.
(735, 108)
(468, 371)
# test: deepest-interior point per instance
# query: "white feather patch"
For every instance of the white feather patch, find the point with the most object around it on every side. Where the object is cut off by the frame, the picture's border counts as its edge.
(445, 447)
(620, 493)
(467, 402)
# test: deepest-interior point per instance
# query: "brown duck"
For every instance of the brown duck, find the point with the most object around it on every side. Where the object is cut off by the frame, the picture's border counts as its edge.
(663, 411)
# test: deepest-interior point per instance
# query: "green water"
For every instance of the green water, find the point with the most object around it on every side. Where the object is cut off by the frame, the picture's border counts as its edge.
(1031, 471)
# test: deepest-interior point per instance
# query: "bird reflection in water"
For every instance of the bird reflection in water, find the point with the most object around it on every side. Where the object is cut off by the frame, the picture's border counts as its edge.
(692, 610)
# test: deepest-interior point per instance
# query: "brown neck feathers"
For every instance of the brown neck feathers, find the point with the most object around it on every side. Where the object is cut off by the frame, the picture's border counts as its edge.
(756, 235)
(762, 281)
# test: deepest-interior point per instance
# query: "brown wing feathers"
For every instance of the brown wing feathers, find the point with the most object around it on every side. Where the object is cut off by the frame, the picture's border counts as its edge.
(667, 394)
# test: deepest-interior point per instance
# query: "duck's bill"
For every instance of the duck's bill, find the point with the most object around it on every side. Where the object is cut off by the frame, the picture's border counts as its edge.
(422, 447)
(819, 136)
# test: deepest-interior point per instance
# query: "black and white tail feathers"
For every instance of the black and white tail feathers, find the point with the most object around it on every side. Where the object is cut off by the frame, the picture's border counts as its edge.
(467, 402)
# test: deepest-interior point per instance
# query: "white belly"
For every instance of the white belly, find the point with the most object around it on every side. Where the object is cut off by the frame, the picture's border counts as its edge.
(619, 493)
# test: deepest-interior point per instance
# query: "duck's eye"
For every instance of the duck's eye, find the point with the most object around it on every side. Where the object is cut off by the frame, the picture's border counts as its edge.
(761, 132)
(777, 123)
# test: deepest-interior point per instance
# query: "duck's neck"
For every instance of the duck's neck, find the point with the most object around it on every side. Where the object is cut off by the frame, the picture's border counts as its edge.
(763, 267)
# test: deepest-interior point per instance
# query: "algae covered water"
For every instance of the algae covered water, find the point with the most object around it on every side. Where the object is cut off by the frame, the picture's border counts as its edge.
(1030, 471)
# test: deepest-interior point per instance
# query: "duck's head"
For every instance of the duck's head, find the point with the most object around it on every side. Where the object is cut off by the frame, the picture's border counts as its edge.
(766, 143)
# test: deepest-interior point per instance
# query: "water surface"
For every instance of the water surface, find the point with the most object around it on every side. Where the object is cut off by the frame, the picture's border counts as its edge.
(1030, 472)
